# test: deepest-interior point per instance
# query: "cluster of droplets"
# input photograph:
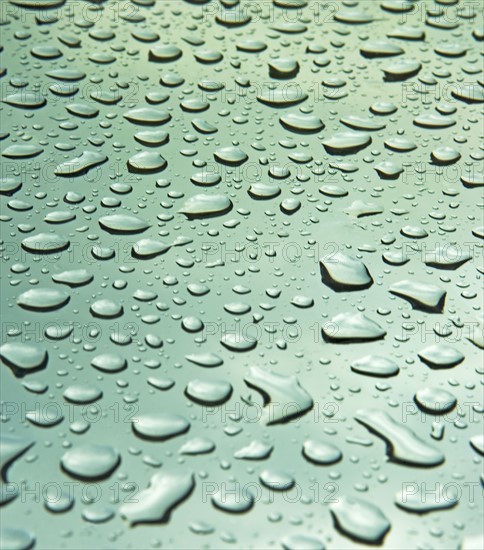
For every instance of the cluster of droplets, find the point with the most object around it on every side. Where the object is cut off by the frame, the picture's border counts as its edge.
(242, 252)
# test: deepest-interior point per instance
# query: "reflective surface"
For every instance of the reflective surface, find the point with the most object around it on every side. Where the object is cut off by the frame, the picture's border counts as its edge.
(241, 274)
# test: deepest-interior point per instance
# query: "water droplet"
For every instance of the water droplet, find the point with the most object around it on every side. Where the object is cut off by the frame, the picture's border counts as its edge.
(90, 462)
(165, 491)
(160, 425)
(360, 520)
(285, 391)
(403, 445)
(320, 452)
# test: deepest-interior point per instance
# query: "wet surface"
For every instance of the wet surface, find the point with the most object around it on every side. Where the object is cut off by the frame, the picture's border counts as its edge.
(241, 274)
